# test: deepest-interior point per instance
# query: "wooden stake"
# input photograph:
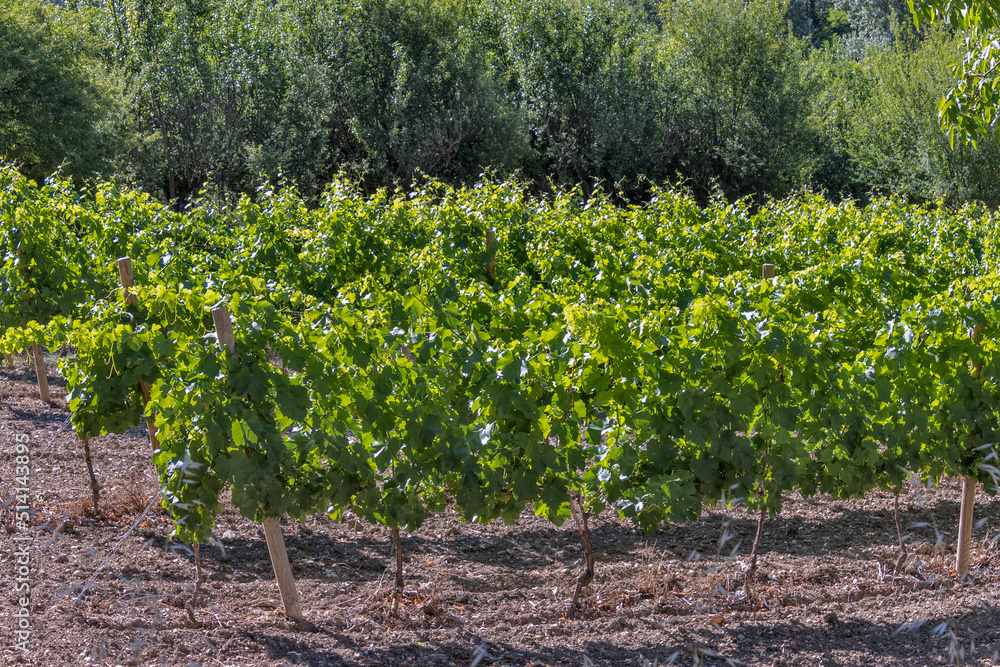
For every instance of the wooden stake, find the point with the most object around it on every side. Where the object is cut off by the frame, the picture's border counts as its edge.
(43, 380)
(197, 577)
(128, 281)
(752, 569)
(282, 569)
(224, 329)
(969, 484)
(272, 527)
(397, 543)
(766, 272)
(899, 533)
(965, 526)
(491, 265)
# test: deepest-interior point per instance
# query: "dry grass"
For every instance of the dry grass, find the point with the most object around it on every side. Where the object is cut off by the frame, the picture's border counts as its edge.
(132, 495)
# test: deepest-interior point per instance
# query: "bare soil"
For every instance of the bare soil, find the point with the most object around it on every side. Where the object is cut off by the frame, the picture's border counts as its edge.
(111, 589)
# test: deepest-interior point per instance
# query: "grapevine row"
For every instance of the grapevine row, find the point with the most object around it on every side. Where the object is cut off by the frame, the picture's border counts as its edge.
(390, 360)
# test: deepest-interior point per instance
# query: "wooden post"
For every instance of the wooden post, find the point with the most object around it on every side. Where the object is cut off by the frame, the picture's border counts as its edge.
(272, 527)
(224, 329)
(43, 380)
(965, 525)
(766, 272)
(282, 568)
(969, 485)
(491, 265)
(128, 281)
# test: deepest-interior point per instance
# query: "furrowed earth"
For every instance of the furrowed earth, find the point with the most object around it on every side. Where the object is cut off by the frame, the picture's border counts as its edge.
(111, 588)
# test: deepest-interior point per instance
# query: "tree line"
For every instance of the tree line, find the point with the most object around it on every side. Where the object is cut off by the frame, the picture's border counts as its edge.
(733, 97)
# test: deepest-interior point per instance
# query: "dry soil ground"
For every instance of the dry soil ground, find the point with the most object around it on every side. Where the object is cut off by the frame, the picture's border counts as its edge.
(105, 593)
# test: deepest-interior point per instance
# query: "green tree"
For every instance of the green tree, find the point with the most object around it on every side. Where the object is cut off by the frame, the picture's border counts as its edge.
(896, 140)
(595, 94)
(205, 81)
(743, 100)
(443, 110)
(871, 24)
(225, 91)
(56, 107)
(876, 126)
(969, 111)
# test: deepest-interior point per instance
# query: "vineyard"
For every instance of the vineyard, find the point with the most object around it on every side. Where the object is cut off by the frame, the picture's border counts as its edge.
(455, 357)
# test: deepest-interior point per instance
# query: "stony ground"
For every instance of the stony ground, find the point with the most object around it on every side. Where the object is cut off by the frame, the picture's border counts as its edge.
(110, 588)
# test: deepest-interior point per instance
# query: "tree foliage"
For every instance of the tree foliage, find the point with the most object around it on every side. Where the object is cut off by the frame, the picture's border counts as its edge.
(56, 108)
(970, 110)
(741, 93)
(755, 98)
